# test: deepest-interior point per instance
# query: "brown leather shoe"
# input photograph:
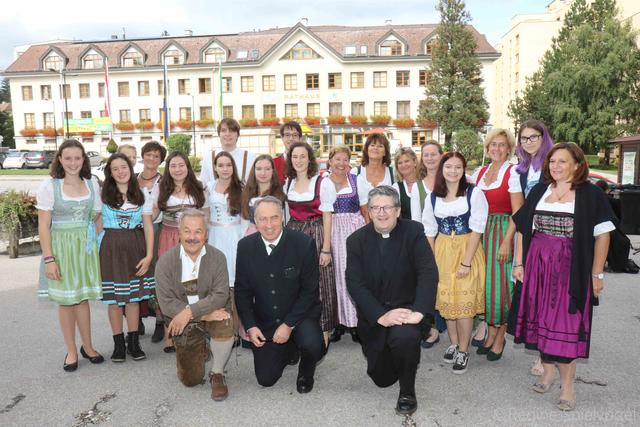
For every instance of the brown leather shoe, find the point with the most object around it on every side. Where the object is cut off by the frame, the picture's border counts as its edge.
(219, 390)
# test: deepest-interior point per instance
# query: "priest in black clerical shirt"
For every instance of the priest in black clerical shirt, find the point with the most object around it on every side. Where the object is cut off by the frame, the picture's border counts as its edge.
(392, 278)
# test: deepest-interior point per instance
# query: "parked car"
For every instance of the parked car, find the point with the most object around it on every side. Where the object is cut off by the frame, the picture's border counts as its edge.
(595, 177)
(15, 160)
(39, 159)
(3, 156)
(95, 159)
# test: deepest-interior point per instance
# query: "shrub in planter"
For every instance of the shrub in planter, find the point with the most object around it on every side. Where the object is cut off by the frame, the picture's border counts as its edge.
(380, 120)
(205, 123)
(195, 163)
(145, 125)
(185, 124)
(404, 123)
(112, 147)
(336, 120)
(358, 120)
(18, 217)
(179, 142)
(248, 123)
(271, 121)
(124, 126)
(28, 132)
(312, 120)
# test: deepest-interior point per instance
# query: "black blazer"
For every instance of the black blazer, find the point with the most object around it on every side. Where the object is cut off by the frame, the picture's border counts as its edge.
(405, 275)
(279, 288)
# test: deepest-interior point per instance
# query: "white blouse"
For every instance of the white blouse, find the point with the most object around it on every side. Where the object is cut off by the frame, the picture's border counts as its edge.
(326, 202)
(514, 179)
(366, 185)
(328, 187)
(569, 207)
(457, 207)
(147, 207)
(177, 201)
(416, 211)
(45, 196)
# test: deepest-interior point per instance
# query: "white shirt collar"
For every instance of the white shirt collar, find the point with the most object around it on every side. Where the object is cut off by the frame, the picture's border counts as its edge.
(190, 268)
(267, 243)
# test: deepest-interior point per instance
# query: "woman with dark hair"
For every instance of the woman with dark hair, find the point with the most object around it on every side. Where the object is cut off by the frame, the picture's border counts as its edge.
(569, 218)
(310, 208)
(263, 181)
(179, 189)
(68, 214)
(406, 170)
(153, 154)
(533, 144)
(126, 253)
(454, 219)
(349, 201)
(375, 166)
(501, 186)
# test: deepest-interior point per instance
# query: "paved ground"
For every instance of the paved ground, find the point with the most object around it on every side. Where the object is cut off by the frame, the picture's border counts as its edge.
(35, 391)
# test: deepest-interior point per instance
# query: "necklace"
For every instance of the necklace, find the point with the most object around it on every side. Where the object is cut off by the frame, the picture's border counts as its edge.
(148, 179)
(560, 196)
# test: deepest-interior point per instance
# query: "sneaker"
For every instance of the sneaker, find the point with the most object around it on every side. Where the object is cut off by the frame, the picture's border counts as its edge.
(450, 354)
(460, 362)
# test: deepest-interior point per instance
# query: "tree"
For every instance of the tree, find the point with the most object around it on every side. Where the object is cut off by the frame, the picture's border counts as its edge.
(455, 98)
(112, 146)
(467, 142)
(179, 142)
(6, 117)
(587, 87)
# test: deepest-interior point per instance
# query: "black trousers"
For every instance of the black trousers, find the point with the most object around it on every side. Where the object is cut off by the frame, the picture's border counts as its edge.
(270, 360)
(398, 360)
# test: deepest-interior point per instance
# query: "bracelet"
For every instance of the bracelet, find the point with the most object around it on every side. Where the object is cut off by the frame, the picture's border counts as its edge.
(517, 265)
(326, 252)
(468, 266)
(49, 259)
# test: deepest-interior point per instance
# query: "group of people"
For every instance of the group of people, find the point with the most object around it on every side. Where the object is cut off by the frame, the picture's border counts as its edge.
(269, 250)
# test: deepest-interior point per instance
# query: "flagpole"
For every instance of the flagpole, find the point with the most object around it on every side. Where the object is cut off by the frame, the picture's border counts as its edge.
(107, 95)
(165, 122)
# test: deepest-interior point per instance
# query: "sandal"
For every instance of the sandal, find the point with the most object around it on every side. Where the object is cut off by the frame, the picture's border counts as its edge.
(537, 369)
(542, 388)
(566, 405)
(479, 343)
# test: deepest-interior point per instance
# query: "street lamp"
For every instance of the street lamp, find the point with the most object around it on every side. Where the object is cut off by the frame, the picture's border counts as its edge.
(63, 84)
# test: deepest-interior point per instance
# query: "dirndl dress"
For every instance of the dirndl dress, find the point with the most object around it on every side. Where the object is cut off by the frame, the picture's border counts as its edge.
(122, 247)
(74, 245)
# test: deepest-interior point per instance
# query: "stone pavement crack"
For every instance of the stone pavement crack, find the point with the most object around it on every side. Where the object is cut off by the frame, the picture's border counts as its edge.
(591, 382)
(14, 401)
(94, 415)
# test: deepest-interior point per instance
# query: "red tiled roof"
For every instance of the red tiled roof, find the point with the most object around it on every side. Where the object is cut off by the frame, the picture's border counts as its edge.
(335, 37)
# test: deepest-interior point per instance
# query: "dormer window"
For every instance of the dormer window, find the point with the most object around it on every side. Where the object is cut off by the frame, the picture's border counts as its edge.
(214, 55)
(132, 58)
(391, 47)
(92, 60)
(301, 51)
(173, 56)
(350, 51)
(53, 61)
(429, 46)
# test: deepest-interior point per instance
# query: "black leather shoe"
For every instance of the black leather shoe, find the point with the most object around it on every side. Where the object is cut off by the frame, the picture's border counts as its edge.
(70, 367)
(158, 333)
(337, 333)
(354, 335)
(407, 404)
(483, 350)
(304, 385)
(295, 357)
(93, 359)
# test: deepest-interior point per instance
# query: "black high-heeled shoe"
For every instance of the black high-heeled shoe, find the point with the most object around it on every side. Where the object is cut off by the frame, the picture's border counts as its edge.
(69, 367)
(93, 359)
(493, 357)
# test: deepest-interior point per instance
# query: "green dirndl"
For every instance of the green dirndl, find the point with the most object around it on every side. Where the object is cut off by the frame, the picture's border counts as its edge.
(74, 246)
(498, 284)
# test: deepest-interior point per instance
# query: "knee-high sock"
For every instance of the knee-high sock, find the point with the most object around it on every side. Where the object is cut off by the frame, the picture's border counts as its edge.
(221, 351)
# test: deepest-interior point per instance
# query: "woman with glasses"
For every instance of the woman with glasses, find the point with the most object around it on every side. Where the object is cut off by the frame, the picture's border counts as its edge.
(534, 142)
(310, 209)
(454, 219)
(501, 186)
(406, 169)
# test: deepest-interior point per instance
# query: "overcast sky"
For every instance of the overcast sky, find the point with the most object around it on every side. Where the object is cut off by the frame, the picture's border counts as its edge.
(30, 21)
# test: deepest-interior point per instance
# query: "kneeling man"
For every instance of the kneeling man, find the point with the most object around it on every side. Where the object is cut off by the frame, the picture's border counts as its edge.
(192, 284)
(392, 278)
(278, 298)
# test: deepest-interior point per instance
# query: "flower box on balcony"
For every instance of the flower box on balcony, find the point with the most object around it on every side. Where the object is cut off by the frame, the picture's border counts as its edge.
(404, 123)
(160, 125)
(248, 123)
(205, 123)
(49, 132)
(427, 124)
(185, 124)
(358, 120)
(312, 120)
(270, 121)
(336, 120)
(380, 120)
(29, 132)
(86, 134)
(145, 125)
(124, 126)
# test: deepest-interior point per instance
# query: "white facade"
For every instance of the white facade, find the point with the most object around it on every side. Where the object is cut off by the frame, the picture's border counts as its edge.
(258, 139)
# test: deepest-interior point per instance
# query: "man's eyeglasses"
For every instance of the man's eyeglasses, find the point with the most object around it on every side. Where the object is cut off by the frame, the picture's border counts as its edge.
(530, 139)
(384, 209)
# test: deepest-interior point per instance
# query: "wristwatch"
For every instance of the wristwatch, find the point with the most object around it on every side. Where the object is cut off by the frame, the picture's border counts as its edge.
(598, 275)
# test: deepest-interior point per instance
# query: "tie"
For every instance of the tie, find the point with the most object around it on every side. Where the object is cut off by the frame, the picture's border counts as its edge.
(272, 247)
